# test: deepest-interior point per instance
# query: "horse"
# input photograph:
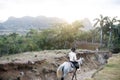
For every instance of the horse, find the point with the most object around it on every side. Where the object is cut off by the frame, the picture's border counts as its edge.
(68, 67)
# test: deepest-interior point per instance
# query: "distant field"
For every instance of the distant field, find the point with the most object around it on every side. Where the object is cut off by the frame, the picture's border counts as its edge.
(111, 71)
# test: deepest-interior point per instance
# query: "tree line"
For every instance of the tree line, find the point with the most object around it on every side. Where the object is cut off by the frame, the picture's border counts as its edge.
(109, 28)
(63, 36)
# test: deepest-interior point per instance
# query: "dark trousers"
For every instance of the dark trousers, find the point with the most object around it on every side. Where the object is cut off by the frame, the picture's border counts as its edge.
(75, 63)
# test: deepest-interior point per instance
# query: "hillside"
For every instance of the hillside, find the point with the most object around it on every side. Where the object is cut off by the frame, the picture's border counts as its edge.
(42, 65)
(25, 23)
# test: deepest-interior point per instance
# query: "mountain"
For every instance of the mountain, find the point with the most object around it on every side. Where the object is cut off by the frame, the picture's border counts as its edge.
(25, 23)
(87, 24)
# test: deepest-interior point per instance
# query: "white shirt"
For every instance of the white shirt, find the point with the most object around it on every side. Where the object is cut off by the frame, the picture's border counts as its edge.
(72, 56)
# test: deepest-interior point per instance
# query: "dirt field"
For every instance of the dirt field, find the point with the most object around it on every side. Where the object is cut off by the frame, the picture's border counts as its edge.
(43, 65)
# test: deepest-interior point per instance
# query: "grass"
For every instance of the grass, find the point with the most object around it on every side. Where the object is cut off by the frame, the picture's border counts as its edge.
(111, 70)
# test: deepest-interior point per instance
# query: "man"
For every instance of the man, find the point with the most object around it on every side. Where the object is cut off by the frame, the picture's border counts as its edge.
(73, 58)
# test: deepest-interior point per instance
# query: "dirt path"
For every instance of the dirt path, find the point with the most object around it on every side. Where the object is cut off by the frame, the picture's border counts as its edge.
(85, 75)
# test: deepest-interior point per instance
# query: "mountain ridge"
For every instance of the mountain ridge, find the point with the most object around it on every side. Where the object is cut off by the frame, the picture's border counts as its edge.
(27, 22)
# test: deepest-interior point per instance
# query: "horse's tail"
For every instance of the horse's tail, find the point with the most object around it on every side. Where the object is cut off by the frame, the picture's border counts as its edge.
(60, 72)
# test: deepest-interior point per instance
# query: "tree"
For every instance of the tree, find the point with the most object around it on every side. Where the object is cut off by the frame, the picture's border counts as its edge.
(115, 48)
(110, 27)
(101, 22)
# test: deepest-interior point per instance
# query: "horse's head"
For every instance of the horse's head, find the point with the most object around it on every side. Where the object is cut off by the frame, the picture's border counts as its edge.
(80, 60)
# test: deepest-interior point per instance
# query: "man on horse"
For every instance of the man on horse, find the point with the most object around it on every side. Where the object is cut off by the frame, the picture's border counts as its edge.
(73, 58)
(69, 66)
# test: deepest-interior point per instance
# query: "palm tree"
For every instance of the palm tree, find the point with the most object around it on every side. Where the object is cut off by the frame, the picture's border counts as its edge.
(110, 24)
(101, 22)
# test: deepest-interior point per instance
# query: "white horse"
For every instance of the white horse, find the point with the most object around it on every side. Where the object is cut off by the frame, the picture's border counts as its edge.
(66, 68)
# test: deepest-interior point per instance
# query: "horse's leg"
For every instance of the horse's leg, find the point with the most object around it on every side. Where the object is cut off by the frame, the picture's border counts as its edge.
(74, 74)
(62, 78)
(63, 73)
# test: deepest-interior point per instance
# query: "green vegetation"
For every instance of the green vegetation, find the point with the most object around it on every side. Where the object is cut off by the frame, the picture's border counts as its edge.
(111, 70)
(63, 36)
(110, 32)
(60, 37)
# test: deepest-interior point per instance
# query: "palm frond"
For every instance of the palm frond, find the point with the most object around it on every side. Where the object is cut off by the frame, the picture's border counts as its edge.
(95, 24)
(101, 16)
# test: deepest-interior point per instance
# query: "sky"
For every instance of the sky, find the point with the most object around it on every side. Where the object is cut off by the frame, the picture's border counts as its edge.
(70, 10)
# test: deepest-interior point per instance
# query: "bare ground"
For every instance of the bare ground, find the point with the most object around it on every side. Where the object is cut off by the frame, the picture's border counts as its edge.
(85, 75)
(42, 65)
